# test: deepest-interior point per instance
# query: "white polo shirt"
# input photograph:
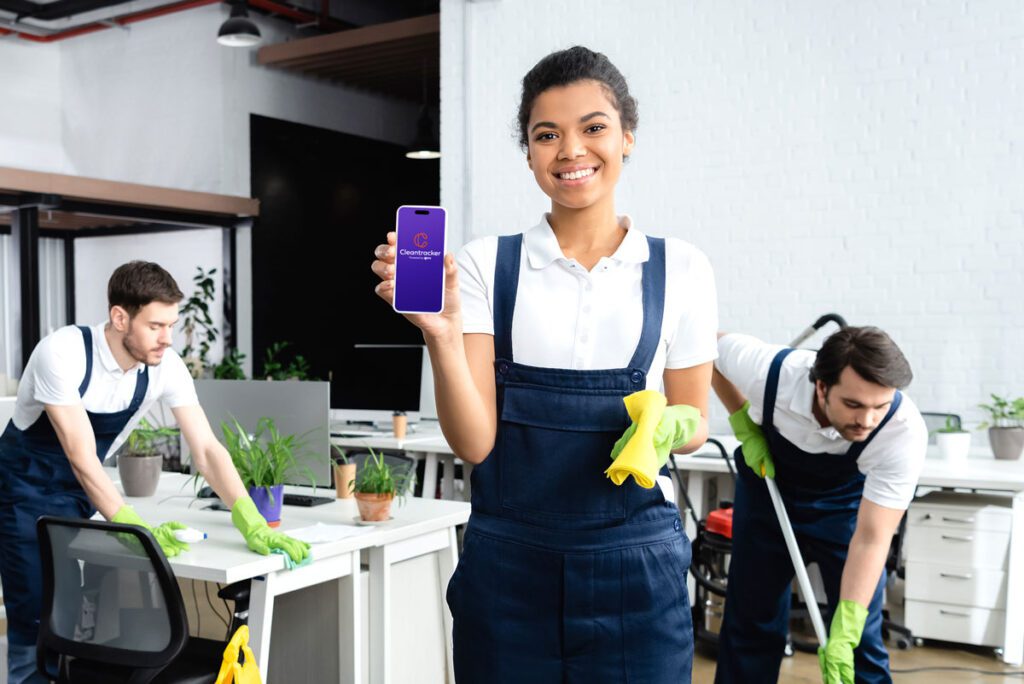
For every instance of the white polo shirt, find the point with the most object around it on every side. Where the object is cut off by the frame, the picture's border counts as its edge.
(57, 367)
(567, 317)
(891, 463)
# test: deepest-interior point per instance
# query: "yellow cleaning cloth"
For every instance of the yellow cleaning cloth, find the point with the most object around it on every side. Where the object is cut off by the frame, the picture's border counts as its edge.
(638, 457)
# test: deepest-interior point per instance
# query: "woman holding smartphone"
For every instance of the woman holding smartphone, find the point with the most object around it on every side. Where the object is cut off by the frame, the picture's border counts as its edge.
(566, 577)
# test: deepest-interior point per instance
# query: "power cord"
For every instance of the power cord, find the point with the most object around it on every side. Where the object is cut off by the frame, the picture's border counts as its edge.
(942, 668)
(210, 601)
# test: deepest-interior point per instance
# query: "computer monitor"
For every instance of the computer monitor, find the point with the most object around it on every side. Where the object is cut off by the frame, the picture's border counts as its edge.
(297, 408)
(384, 378)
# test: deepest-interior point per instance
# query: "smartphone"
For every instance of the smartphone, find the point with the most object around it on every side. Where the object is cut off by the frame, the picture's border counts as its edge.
(419, 259)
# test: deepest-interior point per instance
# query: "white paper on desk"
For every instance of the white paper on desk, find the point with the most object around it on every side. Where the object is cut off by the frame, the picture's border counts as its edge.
(319, 533)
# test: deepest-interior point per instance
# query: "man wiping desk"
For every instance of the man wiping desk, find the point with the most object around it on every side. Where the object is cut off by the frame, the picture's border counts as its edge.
(82, 391)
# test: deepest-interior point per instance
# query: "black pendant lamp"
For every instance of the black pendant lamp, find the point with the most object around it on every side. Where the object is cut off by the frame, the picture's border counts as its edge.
(239, 30)
(425, 145)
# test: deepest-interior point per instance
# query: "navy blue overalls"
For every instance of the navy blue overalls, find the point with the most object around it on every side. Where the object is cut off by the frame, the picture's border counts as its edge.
(822, 493)
(566, 577)
(36, 479)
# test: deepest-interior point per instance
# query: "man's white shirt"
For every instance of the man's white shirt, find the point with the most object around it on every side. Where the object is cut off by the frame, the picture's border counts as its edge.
(891, 463)
(567, 317)
(57, 367)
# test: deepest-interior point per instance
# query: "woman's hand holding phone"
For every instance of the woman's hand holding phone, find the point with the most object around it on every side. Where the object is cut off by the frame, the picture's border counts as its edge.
(438, 326)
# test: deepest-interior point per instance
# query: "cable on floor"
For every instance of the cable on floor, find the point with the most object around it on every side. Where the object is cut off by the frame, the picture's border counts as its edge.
(943, 668)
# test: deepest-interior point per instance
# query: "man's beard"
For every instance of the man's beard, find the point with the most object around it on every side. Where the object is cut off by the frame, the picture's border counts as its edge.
(137, 352)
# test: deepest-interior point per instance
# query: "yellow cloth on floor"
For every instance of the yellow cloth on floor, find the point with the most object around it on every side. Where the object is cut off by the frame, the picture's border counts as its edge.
(639, 458)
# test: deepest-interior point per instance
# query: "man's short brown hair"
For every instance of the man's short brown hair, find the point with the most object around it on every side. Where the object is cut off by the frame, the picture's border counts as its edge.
(137, 283)
(869, 351)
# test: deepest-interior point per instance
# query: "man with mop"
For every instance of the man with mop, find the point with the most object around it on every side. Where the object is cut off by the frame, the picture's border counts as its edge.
(846, 448)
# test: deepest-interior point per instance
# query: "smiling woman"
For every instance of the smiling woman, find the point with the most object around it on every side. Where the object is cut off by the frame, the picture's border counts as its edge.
(556, 326)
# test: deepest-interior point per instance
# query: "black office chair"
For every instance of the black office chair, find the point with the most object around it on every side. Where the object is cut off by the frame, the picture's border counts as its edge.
(112, 610)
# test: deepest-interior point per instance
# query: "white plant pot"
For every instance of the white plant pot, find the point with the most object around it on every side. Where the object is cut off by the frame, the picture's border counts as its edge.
(954, 445)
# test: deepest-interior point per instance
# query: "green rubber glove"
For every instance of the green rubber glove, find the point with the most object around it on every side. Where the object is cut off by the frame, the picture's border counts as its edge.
(755, 446)
(258, 535)
(164, 533)
(677, 426)
(836, 658)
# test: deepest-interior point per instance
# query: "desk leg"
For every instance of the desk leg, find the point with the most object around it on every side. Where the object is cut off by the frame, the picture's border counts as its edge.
(430, 477)
(448, 480)
(447, 559)
(695, 490)
(380, 614)
(261, 617)
(350, 654)
(1013, 645)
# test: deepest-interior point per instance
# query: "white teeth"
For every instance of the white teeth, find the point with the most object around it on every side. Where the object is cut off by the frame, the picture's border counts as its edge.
(576, 175)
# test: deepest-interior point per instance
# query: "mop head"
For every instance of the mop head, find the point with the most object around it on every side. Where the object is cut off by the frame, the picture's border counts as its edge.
(639, 457)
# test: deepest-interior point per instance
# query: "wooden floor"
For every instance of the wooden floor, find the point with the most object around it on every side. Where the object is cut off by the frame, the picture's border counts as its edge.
(802, 668)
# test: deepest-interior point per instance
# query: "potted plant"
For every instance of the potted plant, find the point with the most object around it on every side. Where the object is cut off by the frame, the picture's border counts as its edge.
(264, 459)
(376, 486)
(1005, 427)
(142, 460)
(344, 473)
(953, 441)
(200, 332)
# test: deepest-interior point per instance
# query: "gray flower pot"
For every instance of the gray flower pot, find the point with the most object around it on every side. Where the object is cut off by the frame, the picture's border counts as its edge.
(1007, 442)
(139, 474)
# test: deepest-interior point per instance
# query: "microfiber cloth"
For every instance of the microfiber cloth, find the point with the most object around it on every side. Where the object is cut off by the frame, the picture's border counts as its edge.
(657, 429)
(289, 563)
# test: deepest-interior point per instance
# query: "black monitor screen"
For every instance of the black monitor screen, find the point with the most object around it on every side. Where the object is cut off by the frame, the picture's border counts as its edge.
(379, 379)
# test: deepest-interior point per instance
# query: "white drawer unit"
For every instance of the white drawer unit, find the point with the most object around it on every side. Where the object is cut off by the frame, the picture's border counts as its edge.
(957, 548)
(956, 585)
(978, 626)
(944, 546)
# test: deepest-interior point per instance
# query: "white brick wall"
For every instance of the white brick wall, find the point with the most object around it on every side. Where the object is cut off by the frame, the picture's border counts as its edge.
(865, 158)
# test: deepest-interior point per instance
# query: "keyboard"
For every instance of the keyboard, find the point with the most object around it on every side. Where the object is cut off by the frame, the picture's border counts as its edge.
(306, 500)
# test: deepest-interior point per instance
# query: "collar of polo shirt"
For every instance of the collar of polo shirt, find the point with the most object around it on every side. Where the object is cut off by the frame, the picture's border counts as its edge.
(542, 246)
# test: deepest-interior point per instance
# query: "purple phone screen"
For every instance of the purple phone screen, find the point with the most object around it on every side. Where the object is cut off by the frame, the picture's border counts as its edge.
(419, 274)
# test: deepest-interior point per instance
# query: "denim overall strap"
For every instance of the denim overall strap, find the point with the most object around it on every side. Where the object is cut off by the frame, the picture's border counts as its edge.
(506, 283)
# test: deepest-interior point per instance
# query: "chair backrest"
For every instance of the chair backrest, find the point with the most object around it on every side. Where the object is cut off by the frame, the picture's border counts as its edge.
(402, 466)
(109, 596)
(933, 421)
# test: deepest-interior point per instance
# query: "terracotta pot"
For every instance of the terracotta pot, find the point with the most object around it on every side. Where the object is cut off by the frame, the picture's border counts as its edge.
(139, 474)
(344, 476)
(374, 507)
(400, 424)
(1007, 442)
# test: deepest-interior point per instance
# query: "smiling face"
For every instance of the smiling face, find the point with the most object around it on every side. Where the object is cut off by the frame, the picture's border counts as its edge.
(576, 144)
(854, 406)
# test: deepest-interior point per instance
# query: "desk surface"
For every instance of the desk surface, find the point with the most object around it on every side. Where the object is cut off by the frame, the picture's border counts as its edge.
(224, 557)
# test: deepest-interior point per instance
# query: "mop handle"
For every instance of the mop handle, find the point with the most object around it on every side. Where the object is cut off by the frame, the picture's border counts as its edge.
(798, 562)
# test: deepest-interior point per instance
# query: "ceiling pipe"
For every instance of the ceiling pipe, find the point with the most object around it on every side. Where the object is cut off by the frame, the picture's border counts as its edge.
(120, 22)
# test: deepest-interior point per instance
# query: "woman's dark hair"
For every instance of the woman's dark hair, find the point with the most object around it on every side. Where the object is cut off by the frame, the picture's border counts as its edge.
(576, 64)
(869, 351)
(137, 283)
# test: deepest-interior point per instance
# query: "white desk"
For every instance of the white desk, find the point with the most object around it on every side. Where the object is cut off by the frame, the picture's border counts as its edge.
(420, 527)
(428, 444)
(981, 471)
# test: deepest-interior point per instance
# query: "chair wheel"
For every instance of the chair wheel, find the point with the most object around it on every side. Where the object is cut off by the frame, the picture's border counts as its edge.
(903, 644)
(918, 641)
(788, 651)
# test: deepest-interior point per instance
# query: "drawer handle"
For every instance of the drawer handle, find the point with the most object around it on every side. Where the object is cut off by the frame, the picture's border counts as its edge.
(953, 613)
(953, 537)
(953, 575)
(968, 521)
